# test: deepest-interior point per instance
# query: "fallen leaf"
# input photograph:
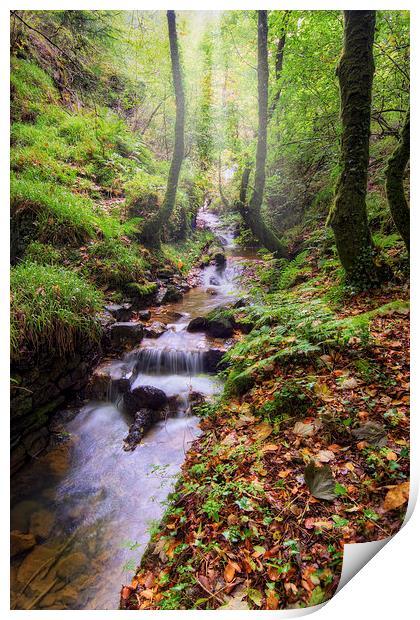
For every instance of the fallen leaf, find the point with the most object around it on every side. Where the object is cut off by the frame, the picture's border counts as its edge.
(349, 384)
(262, 431)
(320, 481)
(373, 433)
(397, 496)
(272, 600)
(303, 430)
(229, 572)
(236, 601)
(255, 596)
(324, 456)
(147, 594)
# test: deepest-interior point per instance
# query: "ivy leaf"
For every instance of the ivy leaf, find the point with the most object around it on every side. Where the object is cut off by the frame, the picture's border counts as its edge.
(320, 481)
(255, 596)
(317, 596)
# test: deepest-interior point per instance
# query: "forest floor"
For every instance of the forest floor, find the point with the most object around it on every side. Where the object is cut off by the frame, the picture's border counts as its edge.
(306, 451)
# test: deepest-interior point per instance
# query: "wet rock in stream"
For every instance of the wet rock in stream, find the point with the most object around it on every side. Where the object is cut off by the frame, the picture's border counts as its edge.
(41, 524)
(108, 379)
(126, 333)
(199, 324)
(167, 294)
(144, 396)
(20, 542)
(218, 327)
(144, 315)
(120, 312)
(143, 420)
(155, 329)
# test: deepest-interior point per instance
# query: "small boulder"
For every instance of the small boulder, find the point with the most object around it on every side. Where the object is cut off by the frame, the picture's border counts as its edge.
(20, 542)
(214, 281)
(127, 333)
(211, 291)
(120, 312)
(144, 315)
(168, 294)
(72, 565)
(41, 524)
(217, 255)
(212, 359)
(144, 396)
(199, 324)
(155, 329)
(221, 327)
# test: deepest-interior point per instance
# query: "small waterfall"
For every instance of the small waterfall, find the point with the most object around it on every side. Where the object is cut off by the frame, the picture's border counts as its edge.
(169, 361)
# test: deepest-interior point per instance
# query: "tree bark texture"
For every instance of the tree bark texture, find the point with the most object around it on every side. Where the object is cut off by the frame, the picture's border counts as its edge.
(348, 216)
(152, 230)
(255, 221)
(397, 200)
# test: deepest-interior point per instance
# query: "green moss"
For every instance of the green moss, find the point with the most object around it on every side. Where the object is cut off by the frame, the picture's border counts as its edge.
(239, 383)
(141, 290)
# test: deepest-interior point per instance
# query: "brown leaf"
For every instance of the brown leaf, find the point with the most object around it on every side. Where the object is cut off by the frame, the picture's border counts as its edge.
(126, 592)
(262, 431)
(397, 496)
(148, 593)
(303, 430)
(272, 600)
(320, 481)
(324, 456)
(349, 384)
(229, 572)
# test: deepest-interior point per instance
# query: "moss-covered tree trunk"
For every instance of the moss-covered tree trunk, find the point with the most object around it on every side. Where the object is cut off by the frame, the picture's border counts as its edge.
(152, 229)
(254, 217)
(397, 201)
(348, 217)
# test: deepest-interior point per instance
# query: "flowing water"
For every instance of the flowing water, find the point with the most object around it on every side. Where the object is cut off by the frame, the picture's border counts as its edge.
(91, 504)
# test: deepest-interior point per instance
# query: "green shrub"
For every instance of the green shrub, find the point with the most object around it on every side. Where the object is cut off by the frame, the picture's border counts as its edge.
(51, 308)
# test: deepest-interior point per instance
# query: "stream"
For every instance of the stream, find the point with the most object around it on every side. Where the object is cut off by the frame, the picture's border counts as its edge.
(89, 503)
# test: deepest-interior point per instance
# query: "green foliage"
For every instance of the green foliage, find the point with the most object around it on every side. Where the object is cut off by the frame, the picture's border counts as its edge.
(59, 214)
(51, 309)
(185, 254)
(42, 253)
(115, 262)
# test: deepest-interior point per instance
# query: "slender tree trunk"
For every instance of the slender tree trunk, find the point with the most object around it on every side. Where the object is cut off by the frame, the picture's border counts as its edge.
(397, 201)
(152, 230)
(281, 43)
(223, 198)
(348, 216)
(266, 236)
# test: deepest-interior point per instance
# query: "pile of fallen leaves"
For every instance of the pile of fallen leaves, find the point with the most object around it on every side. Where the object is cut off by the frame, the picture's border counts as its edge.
(265, 504)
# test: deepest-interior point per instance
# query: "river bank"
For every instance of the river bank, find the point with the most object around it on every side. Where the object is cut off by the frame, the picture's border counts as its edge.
(306, 451)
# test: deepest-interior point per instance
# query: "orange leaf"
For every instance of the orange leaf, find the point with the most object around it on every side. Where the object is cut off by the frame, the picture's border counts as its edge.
(147, 594)
(272, 600)
(229, 572)
(397, 496)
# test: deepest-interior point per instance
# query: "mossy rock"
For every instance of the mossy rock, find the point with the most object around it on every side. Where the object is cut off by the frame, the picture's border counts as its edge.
(139, 291)
(240, 384)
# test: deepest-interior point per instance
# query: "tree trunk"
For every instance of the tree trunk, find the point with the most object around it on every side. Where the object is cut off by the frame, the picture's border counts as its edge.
(256, 223)
(152, 229)
(348, 216)
(397, 201)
